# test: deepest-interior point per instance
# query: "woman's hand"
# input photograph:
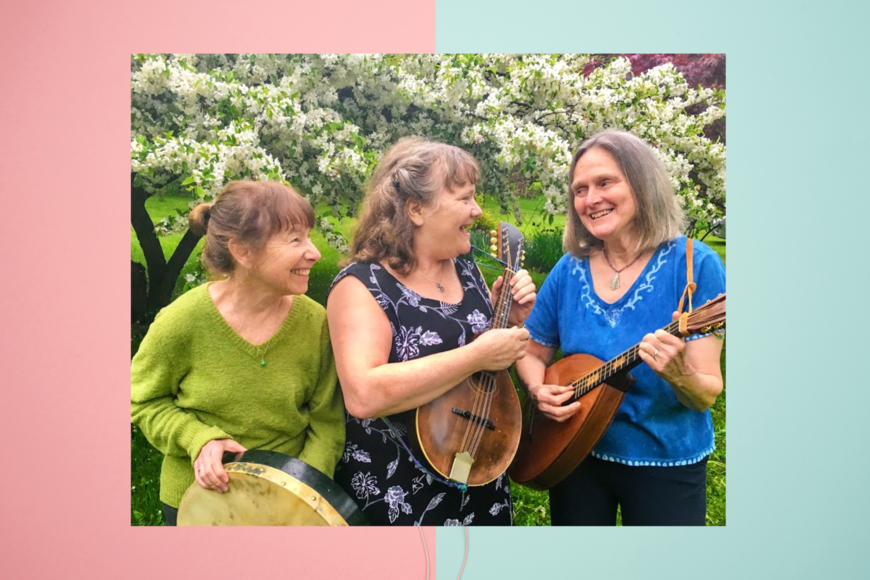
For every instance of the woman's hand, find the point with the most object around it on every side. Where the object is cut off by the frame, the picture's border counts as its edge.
(501, 347)
(208, 467)
(692, 369)
(523, 293)
(666, 355)
(549, 399)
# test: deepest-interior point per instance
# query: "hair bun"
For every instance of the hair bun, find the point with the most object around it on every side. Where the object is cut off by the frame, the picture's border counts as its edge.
(198, 219)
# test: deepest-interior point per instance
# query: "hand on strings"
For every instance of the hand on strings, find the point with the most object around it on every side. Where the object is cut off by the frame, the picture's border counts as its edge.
(666, 355)
(524, 295)
(549, 399)
(501, 347)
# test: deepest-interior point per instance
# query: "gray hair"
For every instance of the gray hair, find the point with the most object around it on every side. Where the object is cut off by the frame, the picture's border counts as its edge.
(659, 217)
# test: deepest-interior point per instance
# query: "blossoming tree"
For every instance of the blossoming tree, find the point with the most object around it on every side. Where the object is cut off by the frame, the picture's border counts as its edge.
(321, 121)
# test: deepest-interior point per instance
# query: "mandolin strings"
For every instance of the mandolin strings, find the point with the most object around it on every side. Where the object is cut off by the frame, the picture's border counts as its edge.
(630, 357)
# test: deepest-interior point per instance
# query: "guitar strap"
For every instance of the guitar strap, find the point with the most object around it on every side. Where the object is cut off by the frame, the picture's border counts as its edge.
(688, 291)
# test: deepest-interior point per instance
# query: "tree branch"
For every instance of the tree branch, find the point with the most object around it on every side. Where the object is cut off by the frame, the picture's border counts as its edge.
(176, 263)
(144, 228)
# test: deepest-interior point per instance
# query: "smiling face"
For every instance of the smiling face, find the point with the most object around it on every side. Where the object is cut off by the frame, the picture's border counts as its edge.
(445, 225)
(603, 198)
(284, 264)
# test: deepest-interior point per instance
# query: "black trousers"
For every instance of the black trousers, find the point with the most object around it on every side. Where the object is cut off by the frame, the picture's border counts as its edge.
(648, 496)
(170, 515)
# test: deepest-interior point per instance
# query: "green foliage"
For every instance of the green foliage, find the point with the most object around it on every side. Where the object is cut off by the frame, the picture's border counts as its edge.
(531, 508)
(485, 223)
(543, 250)
(146, 507)
(716, 463)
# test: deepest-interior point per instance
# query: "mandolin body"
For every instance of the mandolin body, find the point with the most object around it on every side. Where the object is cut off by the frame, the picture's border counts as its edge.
(549, 451)
(441, 433)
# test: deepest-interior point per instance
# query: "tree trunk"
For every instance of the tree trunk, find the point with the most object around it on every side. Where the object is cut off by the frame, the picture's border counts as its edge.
(151, 247)
(161, 275)
(176, 263)
(139, 291)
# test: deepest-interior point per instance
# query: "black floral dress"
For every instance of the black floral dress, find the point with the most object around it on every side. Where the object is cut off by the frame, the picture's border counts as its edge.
(378, 469)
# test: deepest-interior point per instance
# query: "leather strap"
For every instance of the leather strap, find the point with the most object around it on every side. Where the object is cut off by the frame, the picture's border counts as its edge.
(690, 283)
(688, 291)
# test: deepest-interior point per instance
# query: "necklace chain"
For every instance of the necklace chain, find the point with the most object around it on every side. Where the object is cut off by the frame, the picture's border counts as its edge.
(438, 283)
(614, 282)
(263, 348)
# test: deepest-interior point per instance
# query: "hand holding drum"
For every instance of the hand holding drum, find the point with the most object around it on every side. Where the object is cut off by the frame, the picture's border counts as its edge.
(208, 467)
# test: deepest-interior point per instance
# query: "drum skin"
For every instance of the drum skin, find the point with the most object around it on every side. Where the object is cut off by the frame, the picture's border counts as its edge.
(268, 488)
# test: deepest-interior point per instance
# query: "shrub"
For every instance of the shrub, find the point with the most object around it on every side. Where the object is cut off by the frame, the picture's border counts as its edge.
(486, 222)
(543, 250)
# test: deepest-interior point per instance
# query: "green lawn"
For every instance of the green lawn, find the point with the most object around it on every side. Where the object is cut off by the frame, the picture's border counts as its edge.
(530, 507)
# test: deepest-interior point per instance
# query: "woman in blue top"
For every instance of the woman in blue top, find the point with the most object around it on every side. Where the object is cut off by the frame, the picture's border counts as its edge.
(620, 280)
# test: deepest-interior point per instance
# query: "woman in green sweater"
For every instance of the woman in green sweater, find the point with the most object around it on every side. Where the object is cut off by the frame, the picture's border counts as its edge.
(244, 362)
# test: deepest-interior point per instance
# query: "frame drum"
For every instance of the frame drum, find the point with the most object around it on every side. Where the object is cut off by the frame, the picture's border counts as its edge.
(268, 488)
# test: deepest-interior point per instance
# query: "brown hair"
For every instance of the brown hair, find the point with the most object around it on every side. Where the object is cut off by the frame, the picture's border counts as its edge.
(248, 211)
(412, 169)
(658, 217)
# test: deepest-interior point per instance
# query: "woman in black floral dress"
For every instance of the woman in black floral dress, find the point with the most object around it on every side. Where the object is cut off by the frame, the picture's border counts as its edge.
(402, 319)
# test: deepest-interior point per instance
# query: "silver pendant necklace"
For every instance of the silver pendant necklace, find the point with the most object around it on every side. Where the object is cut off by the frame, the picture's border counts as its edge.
(438, 283)
(614, 282)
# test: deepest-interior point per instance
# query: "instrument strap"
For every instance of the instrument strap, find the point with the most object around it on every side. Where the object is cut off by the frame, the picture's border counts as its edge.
(688, 291)
(395, 434)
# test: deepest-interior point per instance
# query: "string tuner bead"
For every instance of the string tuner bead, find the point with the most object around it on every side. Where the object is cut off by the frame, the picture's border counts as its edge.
(493, 233)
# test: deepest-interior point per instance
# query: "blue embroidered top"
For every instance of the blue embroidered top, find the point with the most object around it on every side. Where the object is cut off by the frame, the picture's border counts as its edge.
(651, 427)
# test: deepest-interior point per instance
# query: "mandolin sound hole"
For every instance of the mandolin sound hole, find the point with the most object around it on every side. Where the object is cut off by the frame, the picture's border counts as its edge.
(483, 382)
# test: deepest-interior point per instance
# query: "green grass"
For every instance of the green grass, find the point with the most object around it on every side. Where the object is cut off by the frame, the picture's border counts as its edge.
(531, 508)
(146, 507)
(532, 210)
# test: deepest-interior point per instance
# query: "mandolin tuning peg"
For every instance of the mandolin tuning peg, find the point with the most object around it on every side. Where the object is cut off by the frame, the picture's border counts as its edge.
(493, 240)
(493, 233)
(493, 248)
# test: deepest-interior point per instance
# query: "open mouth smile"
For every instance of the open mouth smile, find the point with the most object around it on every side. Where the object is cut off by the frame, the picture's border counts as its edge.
(300, 272)
(600, 214)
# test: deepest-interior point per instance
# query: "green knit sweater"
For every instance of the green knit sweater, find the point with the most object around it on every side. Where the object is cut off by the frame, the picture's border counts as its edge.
(194, 379)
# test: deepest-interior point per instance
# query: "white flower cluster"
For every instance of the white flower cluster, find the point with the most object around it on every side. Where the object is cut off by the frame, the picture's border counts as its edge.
(322, 121)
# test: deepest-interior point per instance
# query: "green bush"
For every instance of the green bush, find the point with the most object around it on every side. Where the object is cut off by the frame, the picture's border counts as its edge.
(543, 250)
(486, 222)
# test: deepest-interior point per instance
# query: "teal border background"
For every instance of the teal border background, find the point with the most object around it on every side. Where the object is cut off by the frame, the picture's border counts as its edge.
(797, 120)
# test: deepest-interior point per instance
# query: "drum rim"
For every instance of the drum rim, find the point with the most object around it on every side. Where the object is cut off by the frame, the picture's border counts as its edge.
(336, 506)
(315, 500)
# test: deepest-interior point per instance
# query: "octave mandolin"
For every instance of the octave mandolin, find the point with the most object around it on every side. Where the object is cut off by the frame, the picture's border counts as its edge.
(549, 451)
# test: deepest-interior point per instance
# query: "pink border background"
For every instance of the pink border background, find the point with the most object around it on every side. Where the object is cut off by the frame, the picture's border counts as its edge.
(64, 175)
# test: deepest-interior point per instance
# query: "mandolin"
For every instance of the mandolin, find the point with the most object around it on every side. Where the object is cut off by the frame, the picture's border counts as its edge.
(549, 451)
(470, 434)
